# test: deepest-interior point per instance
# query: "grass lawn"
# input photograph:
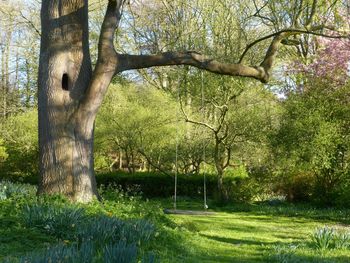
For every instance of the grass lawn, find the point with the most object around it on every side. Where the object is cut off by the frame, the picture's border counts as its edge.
(236, 233)
(261, 234)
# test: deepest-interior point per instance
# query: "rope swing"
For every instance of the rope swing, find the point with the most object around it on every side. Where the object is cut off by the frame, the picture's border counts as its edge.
(203, 114)
(174, 210)
(189, 212)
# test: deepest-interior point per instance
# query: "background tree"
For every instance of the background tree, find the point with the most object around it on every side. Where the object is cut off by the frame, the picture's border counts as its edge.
(313, 141)
(137, 125)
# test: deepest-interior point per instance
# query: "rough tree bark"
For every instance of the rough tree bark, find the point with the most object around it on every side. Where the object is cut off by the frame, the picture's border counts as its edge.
(70, 93)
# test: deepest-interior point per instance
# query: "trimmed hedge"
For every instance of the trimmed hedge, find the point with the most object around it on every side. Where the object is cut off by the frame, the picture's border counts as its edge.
(158, 184)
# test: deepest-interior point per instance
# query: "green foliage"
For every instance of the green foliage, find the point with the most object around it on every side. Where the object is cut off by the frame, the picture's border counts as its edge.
(239, 186)
(327, 238)
(250, 232)
(15, 190)
(62, 254)
(120, 253)
(58, 221)
(158, 184)
(285, 254)
(20, 139)
(312, 145)
(129, 121)
(3, 153)
(104, 230)
(237, 172)
(323, 237)
(89, 233)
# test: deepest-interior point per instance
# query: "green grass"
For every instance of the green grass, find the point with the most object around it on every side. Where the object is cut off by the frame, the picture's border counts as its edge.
(236, 233)
(259, 233)
(243, 237)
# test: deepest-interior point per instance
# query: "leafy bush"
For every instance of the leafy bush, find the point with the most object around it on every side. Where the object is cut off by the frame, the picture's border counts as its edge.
(238, 185)
(20, 138)
(159, 185)
(3, 153)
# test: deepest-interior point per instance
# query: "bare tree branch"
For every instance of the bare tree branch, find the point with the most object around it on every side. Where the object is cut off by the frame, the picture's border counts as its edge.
(290, 32)
(187, 119)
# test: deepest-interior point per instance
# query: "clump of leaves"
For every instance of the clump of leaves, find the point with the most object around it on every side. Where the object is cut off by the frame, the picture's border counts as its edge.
(59, 221)
(285, 254)
(323, 237)
(15, 190)
(104, 229)
(63, 254)
(120, 252)
(342, 240)
(327, 238)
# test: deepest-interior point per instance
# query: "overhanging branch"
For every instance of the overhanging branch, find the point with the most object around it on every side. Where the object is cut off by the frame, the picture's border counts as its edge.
(191, 58)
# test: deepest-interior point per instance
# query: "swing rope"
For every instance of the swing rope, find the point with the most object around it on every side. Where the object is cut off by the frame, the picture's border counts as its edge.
(177, 146)
(204, 153)
(177, 151)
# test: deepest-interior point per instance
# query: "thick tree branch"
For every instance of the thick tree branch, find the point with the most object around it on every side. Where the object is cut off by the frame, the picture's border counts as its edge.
(127, 62)
(192, 58)
(106, 61)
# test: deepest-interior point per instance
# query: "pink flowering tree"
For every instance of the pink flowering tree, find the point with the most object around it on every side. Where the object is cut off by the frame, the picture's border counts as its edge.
(313, 143)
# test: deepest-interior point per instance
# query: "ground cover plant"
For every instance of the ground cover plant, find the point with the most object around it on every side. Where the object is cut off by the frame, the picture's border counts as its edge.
(124, 227)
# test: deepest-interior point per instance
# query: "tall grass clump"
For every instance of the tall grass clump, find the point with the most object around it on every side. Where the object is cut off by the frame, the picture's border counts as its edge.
(15, 190)
(330, 238)
(104, 229)
(59, 221)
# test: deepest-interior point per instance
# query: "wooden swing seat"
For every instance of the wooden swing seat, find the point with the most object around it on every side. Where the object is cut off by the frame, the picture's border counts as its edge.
(187, 212)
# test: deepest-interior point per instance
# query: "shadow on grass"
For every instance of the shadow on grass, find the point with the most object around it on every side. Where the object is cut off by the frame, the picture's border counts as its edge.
(237, 242)
(290, 210)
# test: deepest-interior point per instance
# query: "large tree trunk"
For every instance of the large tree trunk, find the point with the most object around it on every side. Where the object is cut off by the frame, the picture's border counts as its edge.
(65, 135)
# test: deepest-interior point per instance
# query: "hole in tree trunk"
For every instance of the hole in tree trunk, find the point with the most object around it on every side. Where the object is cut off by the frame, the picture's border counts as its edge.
(65, 81)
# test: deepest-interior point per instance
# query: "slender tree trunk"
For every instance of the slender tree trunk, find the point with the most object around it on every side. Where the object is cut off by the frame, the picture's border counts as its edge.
(220, 171)
(120, 159)
(3, 84)
(65, 134)
(28, 93)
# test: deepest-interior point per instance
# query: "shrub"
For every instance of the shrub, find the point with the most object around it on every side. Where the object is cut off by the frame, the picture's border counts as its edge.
(159, 185)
